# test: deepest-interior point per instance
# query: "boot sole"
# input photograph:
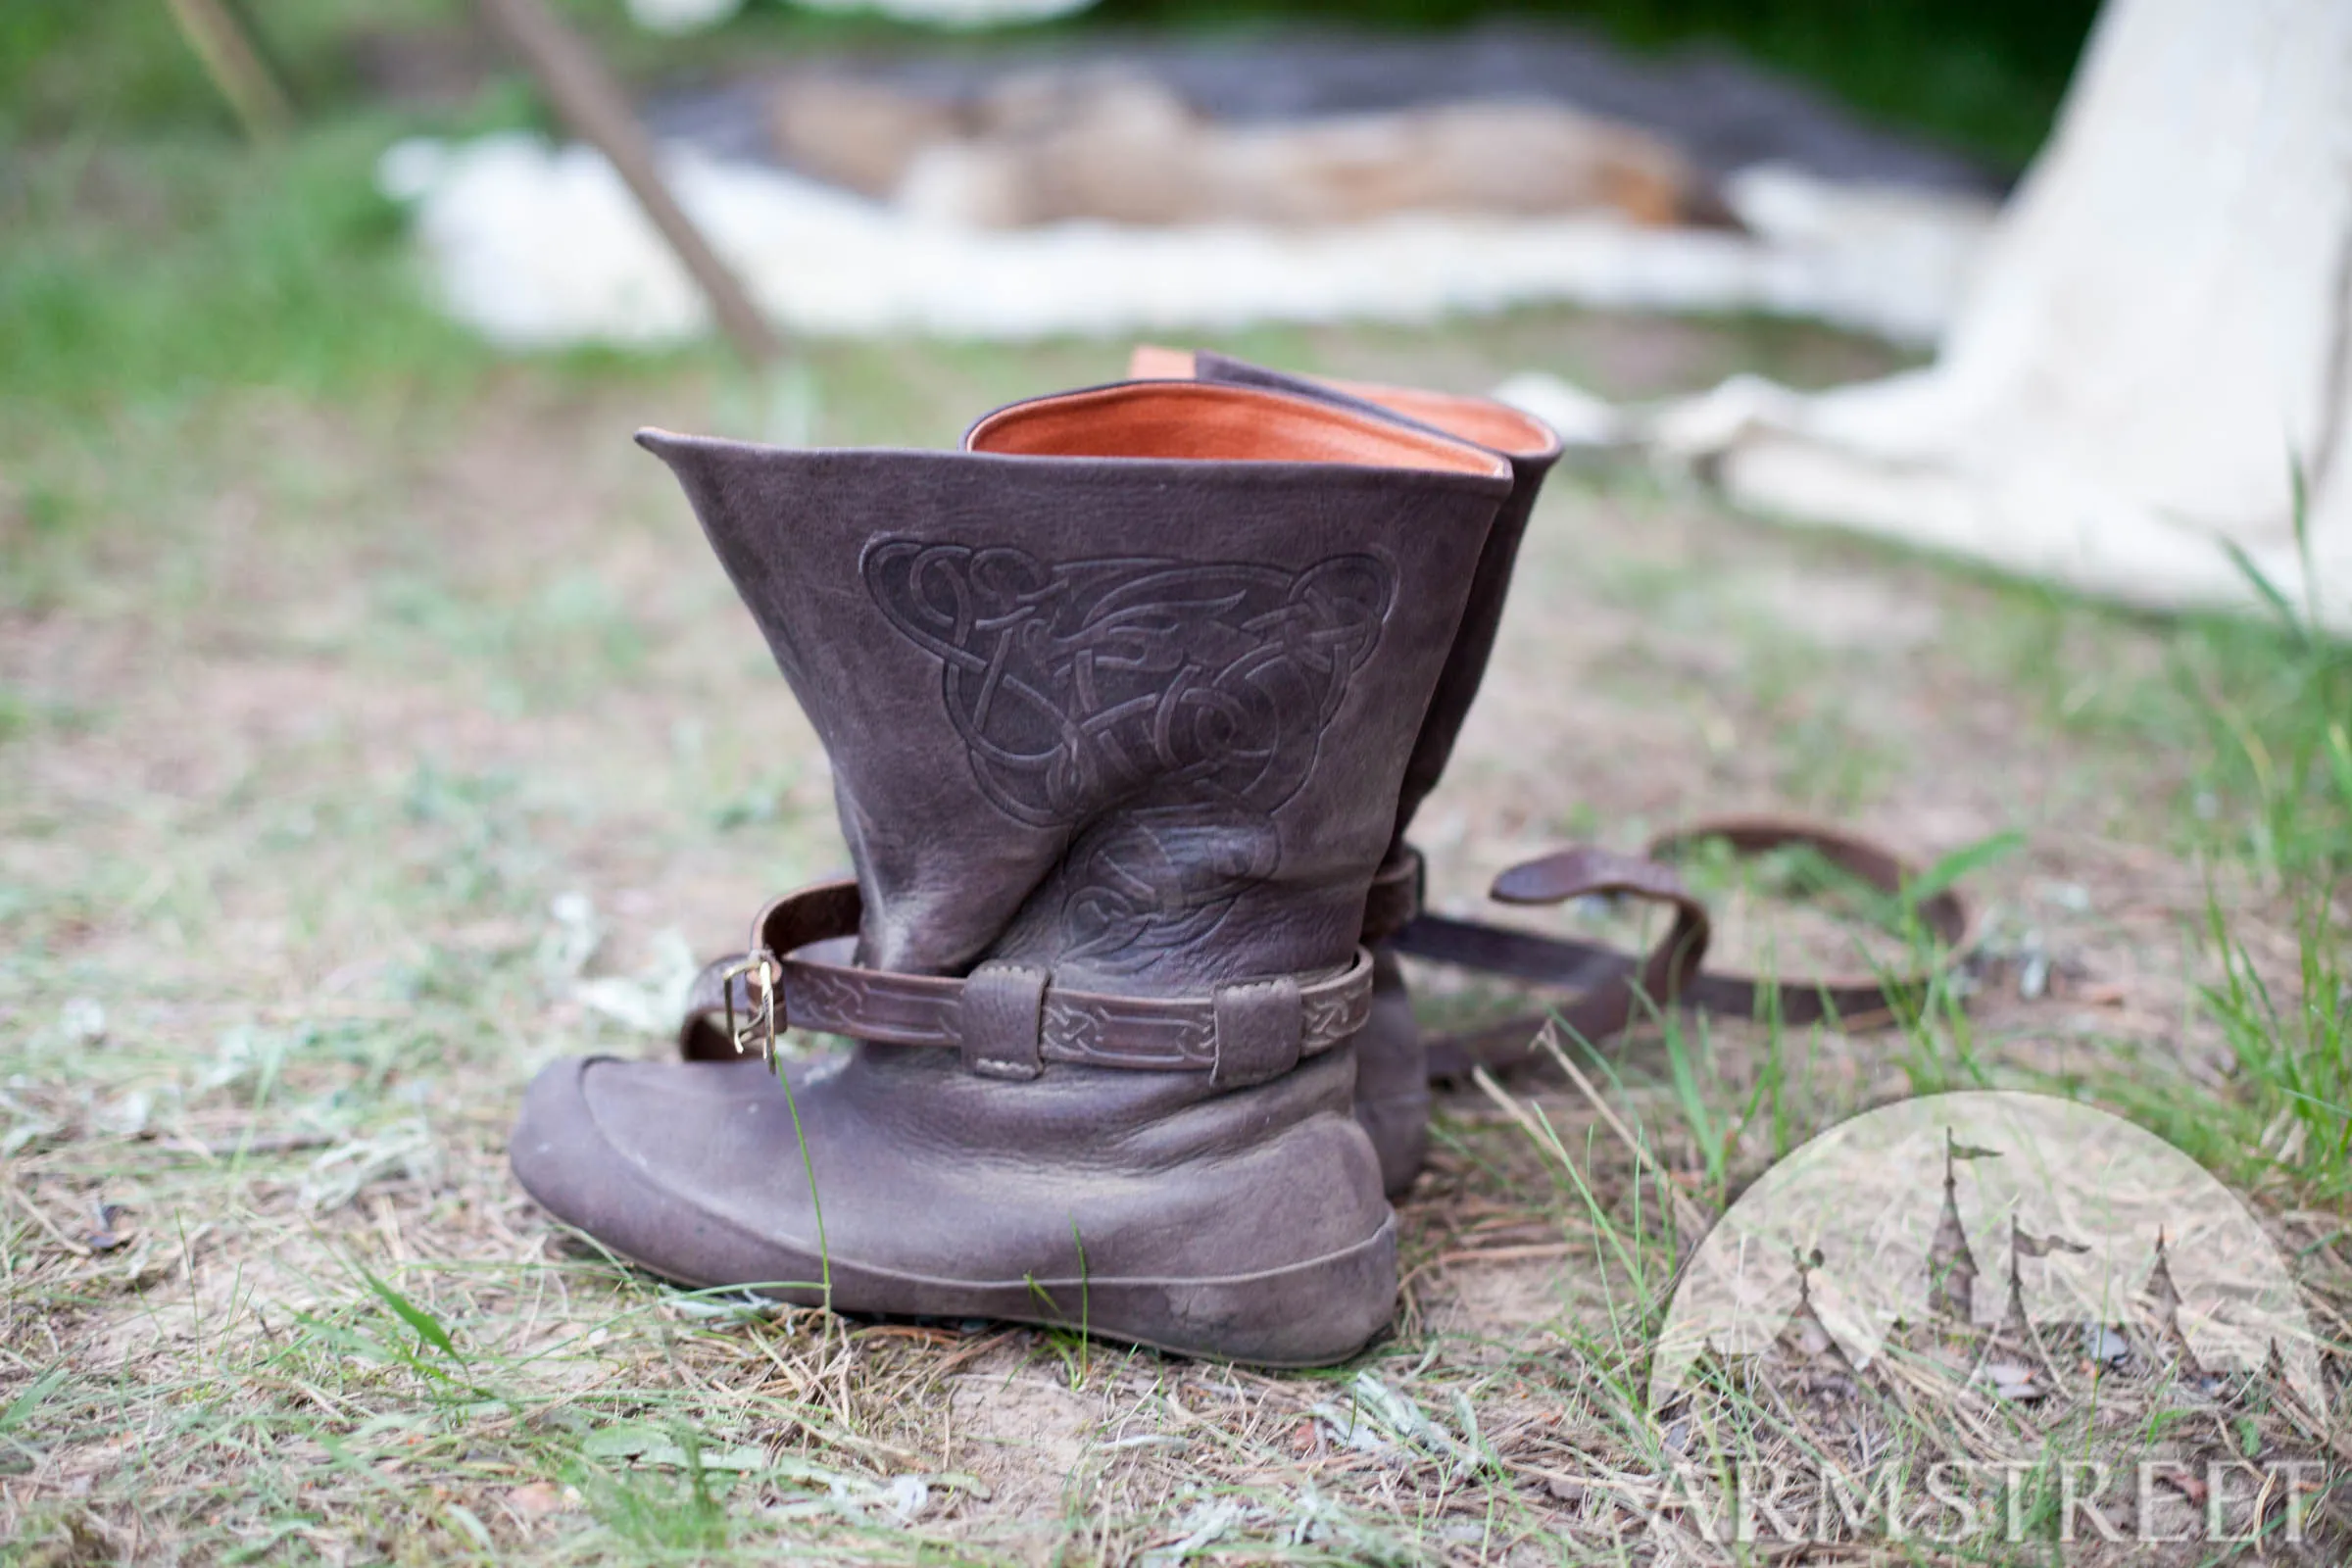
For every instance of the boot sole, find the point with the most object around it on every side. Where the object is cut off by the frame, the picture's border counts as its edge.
(1116, 1309)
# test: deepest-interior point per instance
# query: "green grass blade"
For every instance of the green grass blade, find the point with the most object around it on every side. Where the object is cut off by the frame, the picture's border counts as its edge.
(429, 1327)
(21, 1408)
(2260, 581)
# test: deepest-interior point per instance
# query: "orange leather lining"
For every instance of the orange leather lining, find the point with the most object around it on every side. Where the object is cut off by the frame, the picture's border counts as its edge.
(1197, 419)
(1489, 424)
(1480, 420)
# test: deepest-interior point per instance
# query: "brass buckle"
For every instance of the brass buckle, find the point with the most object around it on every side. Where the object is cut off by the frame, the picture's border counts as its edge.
(766, 975)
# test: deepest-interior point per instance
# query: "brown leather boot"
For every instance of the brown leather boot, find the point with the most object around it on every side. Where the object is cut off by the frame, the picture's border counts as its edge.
(1391, 1076)
(1120, 703)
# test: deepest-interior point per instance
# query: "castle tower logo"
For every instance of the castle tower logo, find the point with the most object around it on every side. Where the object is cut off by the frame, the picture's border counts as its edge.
(1961, 1294)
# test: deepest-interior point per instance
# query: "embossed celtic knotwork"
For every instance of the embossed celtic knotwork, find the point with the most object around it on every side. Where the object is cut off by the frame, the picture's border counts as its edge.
(837, 1000)
(1166, 710)
(1077, 682)
(1337, 1016)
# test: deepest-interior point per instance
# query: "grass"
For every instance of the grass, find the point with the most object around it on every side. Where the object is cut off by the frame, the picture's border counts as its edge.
(155, 276)
(360, 695)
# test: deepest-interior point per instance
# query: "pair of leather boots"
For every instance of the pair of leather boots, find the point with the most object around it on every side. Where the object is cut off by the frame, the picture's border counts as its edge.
(1129, 703)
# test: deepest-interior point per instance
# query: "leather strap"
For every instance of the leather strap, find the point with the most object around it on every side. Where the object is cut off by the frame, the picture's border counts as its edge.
(1396, 894)
(1615, 987)
(1007, 1020)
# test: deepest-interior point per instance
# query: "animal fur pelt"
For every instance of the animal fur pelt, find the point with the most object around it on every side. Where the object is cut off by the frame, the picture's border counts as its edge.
(1117, 147)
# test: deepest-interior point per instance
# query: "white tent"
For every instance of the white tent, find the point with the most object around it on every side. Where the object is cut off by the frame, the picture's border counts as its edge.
(2158, 336)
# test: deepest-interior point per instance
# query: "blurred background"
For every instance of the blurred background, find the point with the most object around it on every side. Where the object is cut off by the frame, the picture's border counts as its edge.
(1673, 97)
(1286, 113)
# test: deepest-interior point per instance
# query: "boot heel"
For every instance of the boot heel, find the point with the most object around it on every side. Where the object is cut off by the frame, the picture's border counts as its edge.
(1308, 1315)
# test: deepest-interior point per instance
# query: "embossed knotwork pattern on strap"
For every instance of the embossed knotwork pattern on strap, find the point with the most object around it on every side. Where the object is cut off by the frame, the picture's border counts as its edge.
(988, 1016)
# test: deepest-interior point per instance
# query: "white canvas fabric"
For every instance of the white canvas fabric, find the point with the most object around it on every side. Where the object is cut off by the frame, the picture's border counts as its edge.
(2159, 334)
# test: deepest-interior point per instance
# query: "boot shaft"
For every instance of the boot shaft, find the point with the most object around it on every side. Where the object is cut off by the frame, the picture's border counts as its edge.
(1529, 445)
(1128, 688)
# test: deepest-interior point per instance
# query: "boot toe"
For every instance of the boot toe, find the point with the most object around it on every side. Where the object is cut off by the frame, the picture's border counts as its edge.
(596, 1146)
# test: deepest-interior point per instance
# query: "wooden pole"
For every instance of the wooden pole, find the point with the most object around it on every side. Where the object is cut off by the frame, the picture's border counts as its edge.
(592, 105)
(237, 68)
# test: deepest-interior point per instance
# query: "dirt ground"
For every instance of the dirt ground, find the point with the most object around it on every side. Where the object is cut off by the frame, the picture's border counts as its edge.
(360, 760)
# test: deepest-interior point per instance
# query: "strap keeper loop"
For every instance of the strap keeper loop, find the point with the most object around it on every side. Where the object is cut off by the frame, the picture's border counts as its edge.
(1260, 1027)
(1002, 1018)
